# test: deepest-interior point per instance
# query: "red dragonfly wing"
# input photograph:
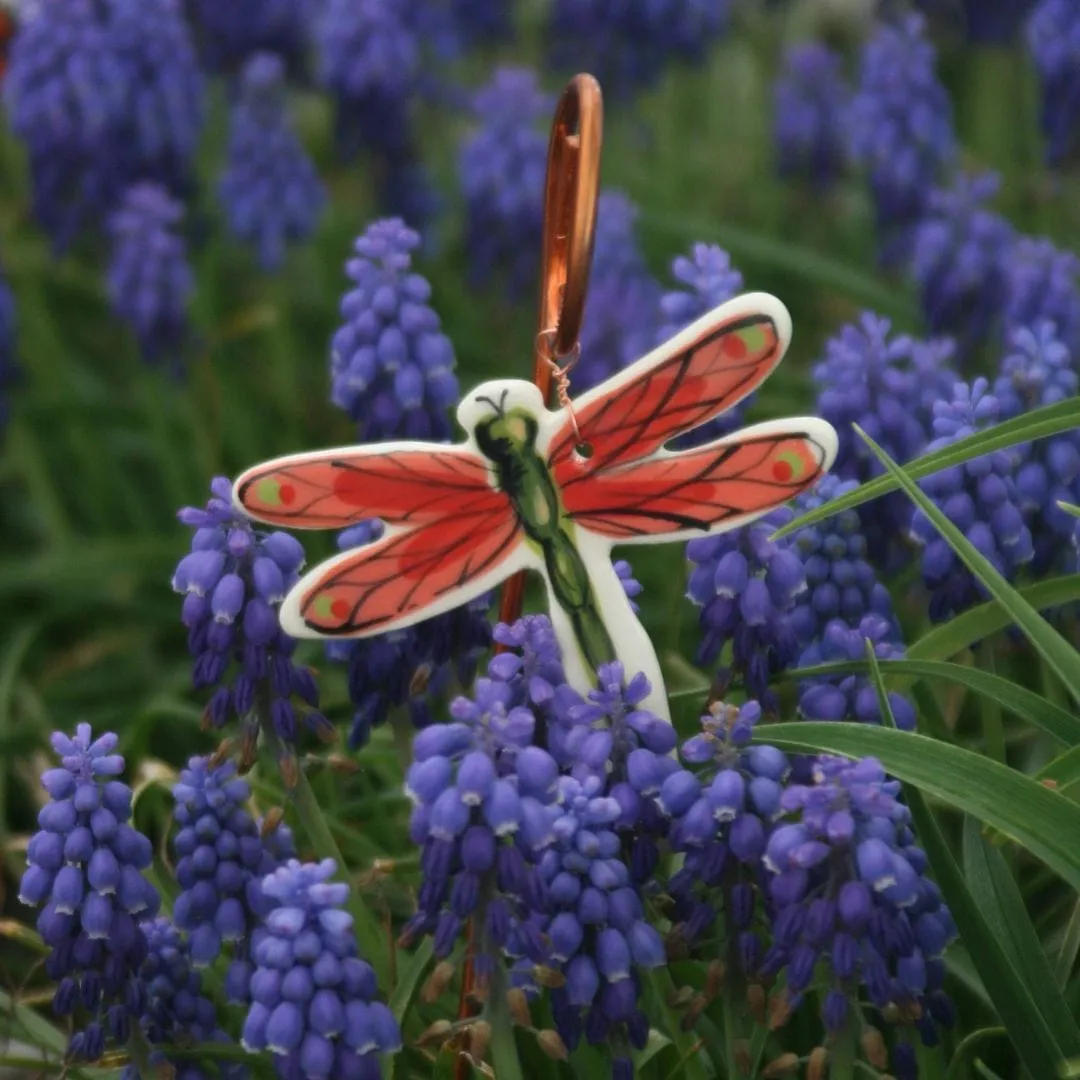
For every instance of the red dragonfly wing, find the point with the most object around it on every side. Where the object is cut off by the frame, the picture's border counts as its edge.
(712, 488)
(406, 576)
(408, 484)
(698, 375)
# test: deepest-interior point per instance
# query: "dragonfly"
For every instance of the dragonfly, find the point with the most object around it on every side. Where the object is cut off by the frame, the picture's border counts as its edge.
(549, 490)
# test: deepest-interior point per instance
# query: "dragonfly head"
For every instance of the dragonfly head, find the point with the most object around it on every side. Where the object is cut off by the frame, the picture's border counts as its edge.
(503, 416)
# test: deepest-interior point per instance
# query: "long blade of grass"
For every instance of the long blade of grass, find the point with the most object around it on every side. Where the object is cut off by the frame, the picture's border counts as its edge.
(1055, 650)
(1017, 805)
(1037, 424)
(1026, 704)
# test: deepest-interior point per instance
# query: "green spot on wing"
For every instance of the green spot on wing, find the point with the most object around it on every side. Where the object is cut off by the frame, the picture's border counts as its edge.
(798, 466)
(322, 607)
(754, 337)
(268, 492)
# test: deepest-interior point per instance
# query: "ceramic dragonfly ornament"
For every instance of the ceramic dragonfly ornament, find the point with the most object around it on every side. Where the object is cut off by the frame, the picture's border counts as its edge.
(549, 490)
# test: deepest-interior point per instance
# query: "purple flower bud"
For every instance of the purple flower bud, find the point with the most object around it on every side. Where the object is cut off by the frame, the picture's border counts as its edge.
(503, 810)
(678, 792)
(612, 955)
(875, 864)
(747, 838)
(476, 777)
(228, 598)
(537, 772)
(582, 981)
(566, 935)
(646, 945)
(449, 815)
(726, 794)
(426, 780)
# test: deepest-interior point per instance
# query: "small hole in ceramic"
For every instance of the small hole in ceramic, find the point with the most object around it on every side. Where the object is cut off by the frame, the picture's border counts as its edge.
(584, 450)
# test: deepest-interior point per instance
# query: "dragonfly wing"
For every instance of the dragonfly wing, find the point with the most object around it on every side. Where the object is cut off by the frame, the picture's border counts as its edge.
(407, 576)
(698, 375)
(401, 483)
(712, 488)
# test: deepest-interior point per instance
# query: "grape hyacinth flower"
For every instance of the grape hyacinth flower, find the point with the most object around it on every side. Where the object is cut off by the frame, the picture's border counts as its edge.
(313, 998)
(809, 102)
(1039, 371)
(707, 280)
(177, 1013)
(221, 859)
(900, 130)
(982, 22)
(501, 167)
(747, 586)
(722, 804)
(233, 582)
(85, 864)
(841, 583)
(1053, 34)
(412, 667)
(887, 385)
(9, 367)
(65, 90)
(391, 366)
(628, 46)
(979, 498)
(150, 280)
(853, 697)
(483, 795)
(1043, 282)
(482, 22)
(600, 938)
(851, 900)
(961, 250)
(619, 324)
(270, 190)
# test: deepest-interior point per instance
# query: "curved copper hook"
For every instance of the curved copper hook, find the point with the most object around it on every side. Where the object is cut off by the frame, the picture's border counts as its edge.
(571, 190)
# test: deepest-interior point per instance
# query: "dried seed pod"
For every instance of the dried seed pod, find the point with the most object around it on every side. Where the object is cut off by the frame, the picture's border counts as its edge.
(518, 1003)
(817, 1064)
(714, 979)
(347, 766)
(222, 753)
(549, 977)
(784, 1065)
(755, 998)
(742, 1056)
(290, 771)
(681, 997)
(274, 817)
(698, 1004)
(551, 1043)
(437, 982)
(479, 1039)
(434, 1033)
(779, 1011)
(873, 1046)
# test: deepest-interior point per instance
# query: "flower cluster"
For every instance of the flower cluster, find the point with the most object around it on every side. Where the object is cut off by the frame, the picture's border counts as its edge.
(900, 129)
(501, 169)
(982, 22)
(313, 999)
(886, 385)
(85, 866)
(619, 324)
(978, 497)
(231, 33)
(1039, 371)
(391, 366)
(269, 188)
(707, 280)
(850, 891)
(1053, 33)
(961, 250)
(1043, 283)
(747, 586)
(150, 280)
(809, 101)
(103, 95)
(629, 45)
(221, 858)
(476, 21)
(233, 581)
(177, 1013)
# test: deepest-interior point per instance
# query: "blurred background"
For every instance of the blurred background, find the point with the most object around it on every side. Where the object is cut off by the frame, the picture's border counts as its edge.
(182, 186)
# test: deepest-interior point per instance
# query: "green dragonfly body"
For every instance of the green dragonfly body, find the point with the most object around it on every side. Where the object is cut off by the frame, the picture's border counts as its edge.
(508, 440)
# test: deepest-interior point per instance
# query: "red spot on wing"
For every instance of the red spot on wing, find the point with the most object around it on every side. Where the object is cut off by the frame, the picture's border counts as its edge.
(696, 490)
(316, 491)
(384, 583)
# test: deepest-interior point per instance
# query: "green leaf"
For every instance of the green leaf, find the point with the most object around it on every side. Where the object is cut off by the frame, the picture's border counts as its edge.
(1059, 655)
(976, 623)
(1037, 424)
(1069, 508)
(409, 982)
(1025, 704)
(998, 898)
(1063, 771)
(1019, 806)
(962, 1055)
(1031, 1035)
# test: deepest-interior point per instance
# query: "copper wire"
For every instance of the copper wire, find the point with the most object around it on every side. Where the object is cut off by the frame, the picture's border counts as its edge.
(560, 372)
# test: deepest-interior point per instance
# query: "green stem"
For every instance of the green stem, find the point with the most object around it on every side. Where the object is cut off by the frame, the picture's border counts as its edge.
(964, 1052)
(504, 1053)
(140, 1052)
(1070, 946)
(659, 986)
(842, 1054)
(369, 934)
(993, 727)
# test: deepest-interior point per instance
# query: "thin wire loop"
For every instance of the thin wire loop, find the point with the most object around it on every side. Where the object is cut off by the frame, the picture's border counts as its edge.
(560, 372)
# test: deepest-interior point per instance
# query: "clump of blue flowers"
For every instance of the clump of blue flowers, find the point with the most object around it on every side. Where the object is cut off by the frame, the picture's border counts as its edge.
(979, 497)
(85, 865)
(391, 365)
(501, 168)
(747, 586)
(900, 129)
(314, 1003)
(269, 189)
(1043, 284)
(150, 280)
(961, 250)
(231, 33)
(1053, 33)
(809, 103)
(233, 582)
